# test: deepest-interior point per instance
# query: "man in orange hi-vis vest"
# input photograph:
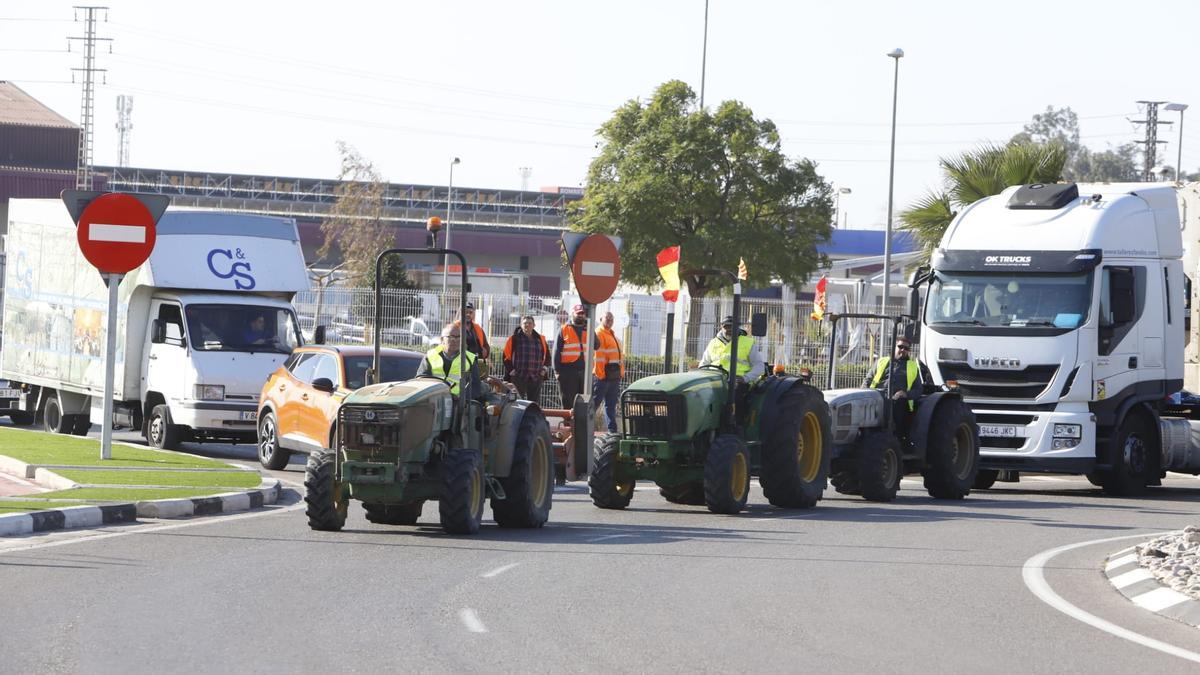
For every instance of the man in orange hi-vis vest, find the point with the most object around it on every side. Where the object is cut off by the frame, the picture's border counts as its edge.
(569, 355)
(610, 368)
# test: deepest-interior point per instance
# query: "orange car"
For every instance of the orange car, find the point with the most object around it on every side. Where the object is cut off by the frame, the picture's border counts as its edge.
(299, 403)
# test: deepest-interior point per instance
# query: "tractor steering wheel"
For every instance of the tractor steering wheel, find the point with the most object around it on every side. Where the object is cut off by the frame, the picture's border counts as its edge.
(714, 366)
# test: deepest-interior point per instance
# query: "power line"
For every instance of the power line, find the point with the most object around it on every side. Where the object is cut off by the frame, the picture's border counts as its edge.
(1151, 142)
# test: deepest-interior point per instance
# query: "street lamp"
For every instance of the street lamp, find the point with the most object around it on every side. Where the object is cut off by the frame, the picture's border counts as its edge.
(1180, 107)
(837, 205)
(896, 54)
(449, 210)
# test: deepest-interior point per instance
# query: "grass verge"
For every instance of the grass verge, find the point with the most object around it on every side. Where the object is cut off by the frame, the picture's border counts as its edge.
(232, 479)
(7, 507)
(43, 448)
(125, 494)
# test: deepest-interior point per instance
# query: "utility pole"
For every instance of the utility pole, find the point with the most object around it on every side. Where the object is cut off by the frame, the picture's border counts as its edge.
(1150, 152)
(83, 172)
(704, 55)
(525, 172)
(124, 127)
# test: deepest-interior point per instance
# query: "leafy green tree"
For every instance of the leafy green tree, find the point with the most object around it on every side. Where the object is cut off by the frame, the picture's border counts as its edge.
(1061, 125)
(715, 182)
(976, 174)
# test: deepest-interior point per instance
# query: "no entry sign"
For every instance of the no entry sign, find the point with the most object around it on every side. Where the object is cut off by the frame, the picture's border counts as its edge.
(596, 268)
(116, 233)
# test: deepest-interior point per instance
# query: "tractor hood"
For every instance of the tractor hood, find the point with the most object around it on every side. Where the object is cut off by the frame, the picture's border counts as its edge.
(400, 394)
(678, 383)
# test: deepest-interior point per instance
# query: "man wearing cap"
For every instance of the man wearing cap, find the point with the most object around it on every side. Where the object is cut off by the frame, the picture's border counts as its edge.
(901, 376)
(569, 357)
(749, 361)
(474, 339)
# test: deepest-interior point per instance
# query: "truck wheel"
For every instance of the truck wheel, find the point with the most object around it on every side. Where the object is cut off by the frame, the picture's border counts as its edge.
(461, 503)
(691, 494)
(795, 464)
(529, 488)
(985, 479)
(53, 418)
(1131, 465)
(952, 454)
(394, 514)
(270, 455)
(324, 498)
(160, 432)
(727, 475)
(80, 424)
(879, 466)
(20, 419)
(845, 482)
(605, 490)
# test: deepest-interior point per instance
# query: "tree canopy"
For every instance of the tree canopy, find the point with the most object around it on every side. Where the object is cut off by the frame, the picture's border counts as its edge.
(1061, 125)
(715, 182)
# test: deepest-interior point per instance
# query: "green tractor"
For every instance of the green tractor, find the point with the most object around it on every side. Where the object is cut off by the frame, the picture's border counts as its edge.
(400, 444)
(691, 435)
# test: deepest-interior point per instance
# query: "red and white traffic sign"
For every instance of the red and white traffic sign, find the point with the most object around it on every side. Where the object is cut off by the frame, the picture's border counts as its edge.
(596, 268)
(116, 233)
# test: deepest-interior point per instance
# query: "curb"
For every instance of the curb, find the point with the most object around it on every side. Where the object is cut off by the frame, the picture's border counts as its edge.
(1144, 590)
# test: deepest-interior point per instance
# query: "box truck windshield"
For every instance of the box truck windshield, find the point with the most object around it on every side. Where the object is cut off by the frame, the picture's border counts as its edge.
(1016, 301)
(241, 328)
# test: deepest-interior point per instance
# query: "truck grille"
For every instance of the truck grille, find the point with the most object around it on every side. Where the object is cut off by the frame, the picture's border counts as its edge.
(369, 428)
(649, 415)
(1026, 384)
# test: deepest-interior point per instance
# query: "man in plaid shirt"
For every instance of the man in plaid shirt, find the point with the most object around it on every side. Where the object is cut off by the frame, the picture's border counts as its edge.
(526, 360)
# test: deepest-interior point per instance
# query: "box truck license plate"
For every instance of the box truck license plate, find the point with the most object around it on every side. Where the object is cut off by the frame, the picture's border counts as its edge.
(249, 415)
(998, 430)
(10, 393)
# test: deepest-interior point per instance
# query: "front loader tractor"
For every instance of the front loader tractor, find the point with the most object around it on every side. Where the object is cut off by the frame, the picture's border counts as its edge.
(700, 442)
(400, 444)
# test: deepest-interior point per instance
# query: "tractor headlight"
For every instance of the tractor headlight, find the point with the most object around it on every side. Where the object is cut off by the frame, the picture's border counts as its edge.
(1068, 431)
(210, 392)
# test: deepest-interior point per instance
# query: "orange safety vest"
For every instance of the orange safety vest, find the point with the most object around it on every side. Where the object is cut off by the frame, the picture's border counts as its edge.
(572, 349)
(508, 346)
(608, 352)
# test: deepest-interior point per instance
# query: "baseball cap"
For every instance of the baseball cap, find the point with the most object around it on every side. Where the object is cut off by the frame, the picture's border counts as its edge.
(727, 321)
(470, 306)
(577, 308)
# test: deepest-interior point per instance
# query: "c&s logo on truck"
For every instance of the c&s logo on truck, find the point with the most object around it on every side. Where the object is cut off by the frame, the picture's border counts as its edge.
(238, 268)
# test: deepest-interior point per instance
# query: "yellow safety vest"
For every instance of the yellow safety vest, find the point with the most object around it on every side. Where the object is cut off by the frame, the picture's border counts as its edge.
(911, 370)
(721, 349)
(437, 366)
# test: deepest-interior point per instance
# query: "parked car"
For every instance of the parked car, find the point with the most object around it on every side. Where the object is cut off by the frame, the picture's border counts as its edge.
(298, 405)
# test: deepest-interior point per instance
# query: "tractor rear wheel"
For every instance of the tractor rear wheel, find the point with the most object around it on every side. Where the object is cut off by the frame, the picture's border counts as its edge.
(727, 475)
(394, 514)
(691, 494)
(985, 479)
(606, 491)
(529, 488)
(795, 464)
(952, 454)
(461, 503)
(324, 497)
(880, 466)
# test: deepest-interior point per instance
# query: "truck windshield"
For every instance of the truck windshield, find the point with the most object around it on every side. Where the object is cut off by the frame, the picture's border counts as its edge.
(1055, 300)
(241, 328)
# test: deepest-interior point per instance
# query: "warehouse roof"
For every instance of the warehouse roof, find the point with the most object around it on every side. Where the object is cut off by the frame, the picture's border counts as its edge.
(17, 107)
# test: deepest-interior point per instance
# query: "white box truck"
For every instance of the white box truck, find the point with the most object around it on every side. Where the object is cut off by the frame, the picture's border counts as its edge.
(1062, 312)
(200, 325)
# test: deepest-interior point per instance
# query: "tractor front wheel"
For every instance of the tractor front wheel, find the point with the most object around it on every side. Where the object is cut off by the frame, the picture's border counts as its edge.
(879, 466)
(323, 496)
(394, 514)
(606, 491)
(529, 487)
(952, 457)
(691, 494)
(461, 504)
(795, 464)
(727, 475)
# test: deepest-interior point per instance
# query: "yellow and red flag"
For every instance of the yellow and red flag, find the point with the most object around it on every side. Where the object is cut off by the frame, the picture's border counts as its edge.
(743, 273)
(668, 268)
(818, 312)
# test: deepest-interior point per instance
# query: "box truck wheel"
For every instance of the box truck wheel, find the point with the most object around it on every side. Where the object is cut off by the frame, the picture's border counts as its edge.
(160, 432)
(53, 418)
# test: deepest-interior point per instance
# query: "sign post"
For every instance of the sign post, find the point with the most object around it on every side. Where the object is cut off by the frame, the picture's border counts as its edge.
(116, 233)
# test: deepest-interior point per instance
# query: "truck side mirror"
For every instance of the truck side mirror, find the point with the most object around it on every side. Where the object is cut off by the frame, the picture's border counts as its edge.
(158, 331)
(319, 335)
(914, 302)
(758, 324)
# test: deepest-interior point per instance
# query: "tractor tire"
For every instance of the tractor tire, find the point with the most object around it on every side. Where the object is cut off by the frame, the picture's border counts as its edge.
(529, 487)
(1095, 479)
(21, 419)
(880, 466)
(53, 419)
(845, 482)
(727, 475)
(80, 424)
(690, 494)
(1132, 464)
(325, 503)
(795, 463)
(460, 507)
(394, 514)
(985, 479)
(270, 455)
(952, 453)
(603, 487)
(160, 432)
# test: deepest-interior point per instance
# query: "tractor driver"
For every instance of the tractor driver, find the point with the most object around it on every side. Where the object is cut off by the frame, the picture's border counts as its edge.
(905, 372)
(750, 365)
(443, 361)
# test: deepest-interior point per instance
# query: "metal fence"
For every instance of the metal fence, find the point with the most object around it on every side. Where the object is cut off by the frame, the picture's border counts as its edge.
(413, 319)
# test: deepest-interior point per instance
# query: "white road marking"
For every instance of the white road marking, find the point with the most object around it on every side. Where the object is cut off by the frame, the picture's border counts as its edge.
(1035, 581)
(608, 536)
(498, 571)
(1131, 577)
(130, 234)
(471, 620)
(1159, 598)
(1114, 563)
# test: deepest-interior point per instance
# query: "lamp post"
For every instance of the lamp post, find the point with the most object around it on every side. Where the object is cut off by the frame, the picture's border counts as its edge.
(837, 204)
(449, 210)
(895, 54)
(1180, 107)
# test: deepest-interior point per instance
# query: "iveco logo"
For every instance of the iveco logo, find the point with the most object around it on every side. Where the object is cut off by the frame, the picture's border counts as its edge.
(996, 362)
(369, 415)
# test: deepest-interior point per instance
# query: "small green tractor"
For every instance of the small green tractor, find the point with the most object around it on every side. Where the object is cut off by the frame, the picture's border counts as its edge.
(870, 456)
(690, 435)
(399, 444)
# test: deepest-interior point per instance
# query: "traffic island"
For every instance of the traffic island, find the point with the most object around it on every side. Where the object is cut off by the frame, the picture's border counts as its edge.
(1158, 575)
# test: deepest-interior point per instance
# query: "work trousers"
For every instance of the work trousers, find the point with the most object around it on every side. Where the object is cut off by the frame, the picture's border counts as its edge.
(530, 388)
(606, 392)
(570, 382)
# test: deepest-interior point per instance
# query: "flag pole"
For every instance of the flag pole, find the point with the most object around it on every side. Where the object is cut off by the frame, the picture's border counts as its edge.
(670, 336)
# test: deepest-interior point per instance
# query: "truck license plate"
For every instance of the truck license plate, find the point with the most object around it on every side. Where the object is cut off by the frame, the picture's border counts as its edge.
(998, 430)
(249, 416)
(10, 393)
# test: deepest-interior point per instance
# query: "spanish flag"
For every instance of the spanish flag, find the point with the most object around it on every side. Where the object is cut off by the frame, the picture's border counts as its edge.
(668, 267)
(743, 273)
(818, 312)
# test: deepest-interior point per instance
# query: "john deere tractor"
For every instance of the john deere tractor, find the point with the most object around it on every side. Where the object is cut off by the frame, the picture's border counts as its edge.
(870, 456)
(688, 433)
(400, 444)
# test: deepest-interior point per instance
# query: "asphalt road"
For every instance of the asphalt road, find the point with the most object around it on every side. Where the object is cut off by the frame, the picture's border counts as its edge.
(911, 586)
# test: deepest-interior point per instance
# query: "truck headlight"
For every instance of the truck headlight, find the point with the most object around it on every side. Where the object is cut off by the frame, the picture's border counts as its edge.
(210, 392)
(1068, 431)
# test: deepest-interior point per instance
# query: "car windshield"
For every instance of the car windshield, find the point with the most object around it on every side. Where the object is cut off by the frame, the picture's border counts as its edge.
(242, 328)
(395, 369)
(1054, 300)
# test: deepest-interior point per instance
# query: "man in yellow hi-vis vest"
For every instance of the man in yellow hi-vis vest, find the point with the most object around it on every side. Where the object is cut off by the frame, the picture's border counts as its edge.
(900, 375)
(443, 361)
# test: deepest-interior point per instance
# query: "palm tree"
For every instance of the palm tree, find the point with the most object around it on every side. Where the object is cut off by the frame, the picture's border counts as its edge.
(976, 174)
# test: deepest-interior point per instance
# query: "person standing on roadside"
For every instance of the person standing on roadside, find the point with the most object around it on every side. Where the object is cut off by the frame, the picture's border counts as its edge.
(474, 340)
(610, 368)
(569, 356)
(527, 360)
